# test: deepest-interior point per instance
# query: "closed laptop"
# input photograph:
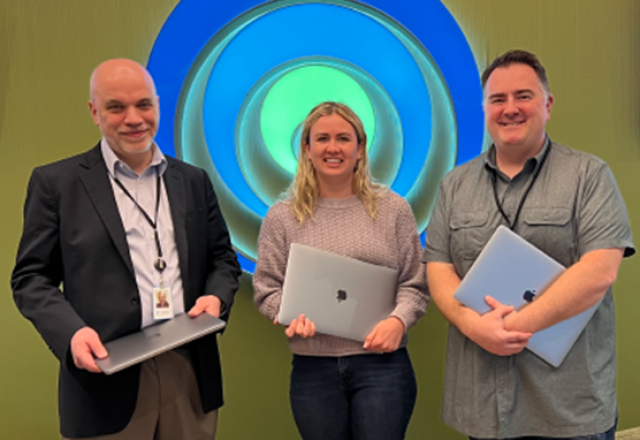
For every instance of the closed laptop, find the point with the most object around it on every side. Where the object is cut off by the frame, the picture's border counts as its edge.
(156, 339)
(515, 272)
(342, 296)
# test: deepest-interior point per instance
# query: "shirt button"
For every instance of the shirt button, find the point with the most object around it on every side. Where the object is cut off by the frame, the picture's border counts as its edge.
(135, 301)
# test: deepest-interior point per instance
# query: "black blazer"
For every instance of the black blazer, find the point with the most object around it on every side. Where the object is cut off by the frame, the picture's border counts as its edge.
(74, 269)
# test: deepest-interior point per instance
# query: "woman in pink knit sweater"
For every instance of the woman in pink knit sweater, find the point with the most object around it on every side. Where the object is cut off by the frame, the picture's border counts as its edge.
(343, 389)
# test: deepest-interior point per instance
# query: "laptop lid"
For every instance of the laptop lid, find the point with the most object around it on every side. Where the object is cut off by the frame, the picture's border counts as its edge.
(156, 339)
(342, 296)
(515, 272)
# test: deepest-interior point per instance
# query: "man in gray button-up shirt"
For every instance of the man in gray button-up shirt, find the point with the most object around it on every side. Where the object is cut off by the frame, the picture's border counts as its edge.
(567, 204)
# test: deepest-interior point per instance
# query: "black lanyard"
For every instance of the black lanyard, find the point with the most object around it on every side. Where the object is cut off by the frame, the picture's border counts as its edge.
(526, 193)
(159, 264)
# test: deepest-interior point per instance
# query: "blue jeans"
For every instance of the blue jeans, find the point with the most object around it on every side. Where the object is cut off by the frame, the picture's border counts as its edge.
(361, 397)
(608, 435)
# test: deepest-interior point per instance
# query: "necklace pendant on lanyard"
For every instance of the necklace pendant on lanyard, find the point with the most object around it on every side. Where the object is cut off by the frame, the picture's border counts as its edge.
(159, 264)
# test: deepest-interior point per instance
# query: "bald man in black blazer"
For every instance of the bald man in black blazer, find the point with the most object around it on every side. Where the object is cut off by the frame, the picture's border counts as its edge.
(75, 279)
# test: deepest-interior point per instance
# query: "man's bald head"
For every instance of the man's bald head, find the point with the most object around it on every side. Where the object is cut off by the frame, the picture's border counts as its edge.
(117, 69)
(124, 105)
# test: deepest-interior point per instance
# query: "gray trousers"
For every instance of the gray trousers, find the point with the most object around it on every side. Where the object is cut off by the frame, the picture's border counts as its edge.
(168, 406)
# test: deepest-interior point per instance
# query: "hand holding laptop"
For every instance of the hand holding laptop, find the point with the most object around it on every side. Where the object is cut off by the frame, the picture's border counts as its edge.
(489, 330)
(208, 303)
(301, 326)
(385, 336)
(85, 347)
(156, 339)
(341, 296)
(514, 272)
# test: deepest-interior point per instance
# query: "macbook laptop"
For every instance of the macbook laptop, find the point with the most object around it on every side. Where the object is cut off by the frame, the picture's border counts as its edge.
(342, 296)
(156, 339)
(515, 272)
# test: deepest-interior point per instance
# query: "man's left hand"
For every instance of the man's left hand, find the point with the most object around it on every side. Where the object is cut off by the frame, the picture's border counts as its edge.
(508, 320)
(385, 336)
(208, 303)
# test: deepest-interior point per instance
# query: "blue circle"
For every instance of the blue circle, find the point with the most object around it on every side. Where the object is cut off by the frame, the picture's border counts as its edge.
(271, 43)
(193, 22)
(237, 28)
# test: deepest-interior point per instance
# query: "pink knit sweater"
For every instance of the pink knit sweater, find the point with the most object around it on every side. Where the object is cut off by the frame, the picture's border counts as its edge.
(342, 226)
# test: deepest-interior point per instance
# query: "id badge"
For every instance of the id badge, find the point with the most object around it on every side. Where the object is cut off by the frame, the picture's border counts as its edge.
(162, 307)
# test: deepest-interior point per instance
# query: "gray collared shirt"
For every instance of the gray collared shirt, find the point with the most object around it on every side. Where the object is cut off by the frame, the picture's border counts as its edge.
(574, 207)
(139, 233)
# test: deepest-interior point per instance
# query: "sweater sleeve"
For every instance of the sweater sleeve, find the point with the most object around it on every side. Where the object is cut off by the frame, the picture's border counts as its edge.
(273, 251)
(412, 297)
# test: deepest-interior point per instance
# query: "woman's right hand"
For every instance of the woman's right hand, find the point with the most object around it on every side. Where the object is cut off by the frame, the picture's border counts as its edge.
(302, 326)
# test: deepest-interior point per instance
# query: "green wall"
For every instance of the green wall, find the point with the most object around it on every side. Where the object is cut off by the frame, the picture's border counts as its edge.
(591, 49)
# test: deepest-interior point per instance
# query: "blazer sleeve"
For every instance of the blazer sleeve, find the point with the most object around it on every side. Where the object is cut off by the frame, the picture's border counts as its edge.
(222, 266)
(38, 274)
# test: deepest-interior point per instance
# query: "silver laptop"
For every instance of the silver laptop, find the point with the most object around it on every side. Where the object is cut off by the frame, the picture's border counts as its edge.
(156, 339)
(342, 296)
(515, 272)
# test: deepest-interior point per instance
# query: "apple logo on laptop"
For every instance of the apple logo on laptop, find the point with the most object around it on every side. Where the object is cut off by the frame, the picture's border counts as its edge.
(342, 295)
(529, 295)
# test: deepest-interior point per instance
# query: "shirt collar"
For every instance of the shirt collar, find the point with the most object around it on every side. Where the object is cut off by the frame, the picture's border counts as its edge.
(112, 162)
(490, 158)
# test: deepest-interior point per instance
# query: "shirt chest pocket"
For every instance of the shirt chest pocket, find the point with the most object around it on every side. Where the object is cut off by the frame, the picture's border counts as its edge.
(469, 233)
(550, 230)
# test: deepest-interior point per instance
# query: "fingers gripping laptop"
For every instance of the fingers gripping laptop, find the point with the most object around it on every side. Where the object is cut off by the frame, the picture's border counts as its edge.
(342, 296)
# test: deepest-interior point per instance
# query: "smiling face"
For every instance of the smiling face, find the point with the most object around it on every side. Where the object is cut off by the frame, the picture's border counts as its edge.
(124, 106)
(334, 150)
(516, 109)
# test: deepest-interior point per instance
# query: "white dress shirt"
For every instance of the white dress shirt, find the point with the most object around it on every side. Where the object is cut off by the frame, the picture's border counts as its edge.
(139, 232)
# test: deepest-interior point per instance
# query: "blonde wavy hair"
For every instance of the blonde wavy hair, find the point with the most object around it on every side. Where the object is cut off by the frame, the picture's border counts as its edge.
(303, 192)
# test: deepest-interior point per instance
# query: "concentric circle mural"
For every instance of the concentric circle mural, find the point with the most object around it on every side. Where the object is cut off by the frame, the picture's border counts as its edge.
(236, 80)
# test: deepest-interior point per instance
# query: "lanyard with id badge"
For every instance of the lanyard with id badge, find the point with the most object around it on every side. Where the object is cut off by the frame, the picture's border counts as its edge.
(162, 306)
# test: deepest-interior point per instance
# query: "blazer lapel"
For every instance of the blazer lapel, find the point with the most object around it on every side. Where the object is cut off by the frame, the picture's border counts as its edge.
(95, 179)
(174, 183)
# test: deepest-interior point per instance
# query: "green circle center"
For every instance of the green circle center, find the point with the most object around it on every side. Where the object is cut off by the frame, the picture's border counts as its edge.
(293, 96)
